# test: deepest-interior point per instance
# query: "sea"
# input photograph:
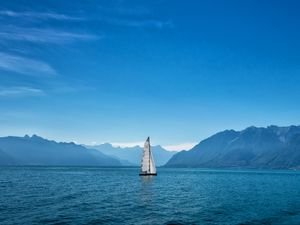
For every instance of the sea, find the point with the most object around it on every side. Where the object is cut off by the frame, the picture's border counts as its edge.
(94, 195)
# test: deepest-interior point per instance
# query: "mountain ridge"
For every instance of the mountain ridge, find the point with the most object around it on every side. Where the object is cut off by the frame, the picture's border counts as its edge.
(272, 147)
(133, 155)
(36, 150)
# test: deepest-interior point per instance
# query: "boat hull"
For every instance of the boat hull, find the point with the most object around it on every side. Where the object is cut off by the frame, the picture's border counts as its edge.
(148, 174)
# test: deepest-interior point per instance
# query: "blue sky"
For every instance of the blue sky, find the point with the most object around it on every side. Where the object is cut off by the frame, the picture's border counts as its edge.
(119, 71)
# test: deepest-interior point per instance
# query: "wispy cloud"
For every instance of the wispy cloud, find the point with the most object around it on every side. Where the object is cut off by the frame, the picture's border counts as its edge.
(137, 16)
(140, 23)
(37, 35)
(38, 15)
(42, 35)
(25, 66)
(20, 92)
(180, 147)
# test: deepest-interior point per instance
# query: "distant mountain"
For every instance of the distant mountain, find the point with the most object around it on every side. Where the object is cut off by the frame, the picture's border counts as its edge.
(5, 159)
(132, 155)
(272, 147)
(38, 151)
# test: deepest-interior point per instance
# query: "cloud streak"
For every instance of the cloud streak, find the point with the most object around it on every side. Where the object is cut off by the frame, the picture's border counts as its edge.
(25, 66)
(140, 23)
(37, 15)
(20, 92)
(42, 35)
(11, 34)
(135, 17)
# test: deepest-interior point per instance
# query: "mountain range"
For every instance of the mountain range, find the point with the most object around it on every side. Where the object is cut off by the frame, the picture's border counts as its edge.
(35, 150)
(272, 147)
(131, 156)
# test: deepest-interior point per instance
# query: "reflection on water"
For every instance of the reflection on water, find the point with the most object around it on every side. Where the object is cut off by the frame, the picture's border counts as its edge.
(146, 180)
(146, 189)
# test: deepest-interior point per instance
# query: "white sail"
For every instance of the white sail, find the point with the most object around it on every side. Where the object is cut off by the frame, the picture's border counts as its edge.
(152, 164)
(148, 165)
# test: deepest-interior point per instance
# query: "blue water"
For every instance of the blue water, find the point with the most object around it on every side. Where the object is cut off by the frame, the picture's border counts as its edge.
(82, 195)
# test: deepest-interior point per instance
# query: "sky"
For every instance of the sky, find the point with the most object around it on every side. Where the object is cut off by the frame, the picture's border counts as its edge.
(119, 71)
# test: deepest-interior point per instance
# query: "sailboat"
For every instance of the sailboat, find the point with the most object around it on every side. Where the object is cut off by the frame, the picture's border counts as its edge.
(148, 166)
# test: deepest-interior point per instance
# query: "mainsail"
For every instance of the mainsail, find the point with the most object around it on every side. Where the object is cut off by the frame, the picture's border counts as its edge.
(148, 165)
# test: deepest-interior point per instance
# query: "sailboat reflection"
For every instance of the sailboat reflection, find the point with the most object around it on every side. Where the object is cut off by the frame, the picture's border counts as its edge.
(147, 190)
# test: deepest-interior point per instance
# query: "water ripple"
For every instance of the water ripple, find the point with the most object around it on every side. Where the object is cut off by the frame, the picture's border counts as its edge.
(70, 195)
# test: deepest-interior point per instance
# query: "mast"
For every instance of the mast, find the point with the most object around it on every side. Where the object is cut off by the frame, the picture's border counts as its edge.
(148, 140)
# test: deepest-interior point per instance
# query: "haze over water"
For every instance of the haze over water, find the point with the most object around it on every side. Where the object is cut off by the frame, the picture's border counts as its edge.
(93, 195)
